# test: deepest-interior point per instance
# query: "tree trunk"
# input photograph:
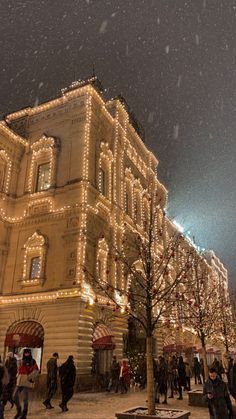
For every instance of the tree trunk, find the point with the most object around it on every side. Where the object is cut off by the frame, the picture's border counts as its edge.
(204, 357)
(150, 377)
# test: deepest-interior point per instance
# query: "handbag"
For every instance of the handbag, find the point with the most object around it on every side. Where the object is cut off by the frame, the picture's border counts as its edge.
(23, 381)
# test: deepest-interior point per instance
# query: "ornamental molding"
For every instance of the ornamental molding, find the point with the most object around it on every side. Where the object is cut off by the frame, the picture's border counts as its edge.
(46, 142)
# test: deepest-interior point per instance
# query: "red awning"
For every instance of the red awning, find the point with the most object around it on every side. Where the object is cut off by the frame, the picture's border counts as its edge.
(102, 338)
(28, 333)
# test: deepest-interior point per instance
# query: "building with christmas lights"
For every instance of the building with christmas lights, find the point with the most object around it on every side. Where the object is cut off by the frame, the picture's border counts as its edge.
(74, 174)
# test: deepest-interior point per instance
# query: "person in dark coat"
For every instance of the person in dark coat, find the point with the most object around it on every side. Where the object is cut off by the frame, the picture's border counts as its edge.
(232, 380)
(181, 377)
(229, 370)
(67, 374)
(216, 395)
(1, 390)
(172, 375)
(8, 389)
(197, 371)
(51, 380)
(163, 378)
(115, 373)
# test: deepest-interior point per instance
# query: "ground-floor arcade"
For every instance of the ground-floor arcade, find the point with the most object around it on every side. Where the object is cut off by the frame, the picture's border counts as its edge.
(62, 322)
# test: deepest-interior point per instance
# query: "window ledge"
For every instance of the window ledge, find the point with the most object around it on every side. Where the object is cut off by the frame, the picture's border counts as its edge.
(32, 282)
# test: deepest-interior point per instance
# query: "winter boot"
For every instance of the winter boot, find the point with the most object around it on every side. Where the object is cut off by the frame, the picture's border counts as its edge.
(47, 404)
(24, 414)
(62, 406)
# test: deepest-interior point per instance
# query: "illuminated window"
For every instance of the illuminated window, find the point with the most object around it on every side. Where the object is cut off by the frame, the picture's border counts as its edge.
(102, 260)
(102, 181)
(43, 177)
(128, 202)
(34, 259)
(35, 268)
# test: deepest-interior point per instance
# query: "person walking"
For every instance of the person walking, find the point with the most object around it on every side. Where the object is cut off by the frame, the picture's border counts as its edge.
(216, 395)
(188, 376)
(67, 374)
(202, 371)
(27, 374)
(8, 389)
(232, 380)
(163, 378)
(181, 377)
(124, 377)
(229, 370)
(172, 375)
(115, 373)
(51, 380)
(197, 371)
(2, 371)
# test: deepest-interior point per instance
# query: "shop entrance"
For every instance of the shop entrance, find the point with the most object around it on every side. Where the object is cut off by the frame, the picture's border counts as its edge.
(103, 346)
(25, 334)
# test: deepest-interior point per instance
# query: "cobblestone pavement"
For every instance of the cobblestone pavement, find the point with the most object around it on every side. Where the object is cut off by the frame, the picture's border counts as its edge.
(103, 406)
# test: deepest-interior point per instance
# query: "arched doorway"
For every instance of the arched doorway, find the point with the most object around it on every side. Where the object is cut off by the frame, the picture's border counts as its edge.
(25, 334)
(103, 346)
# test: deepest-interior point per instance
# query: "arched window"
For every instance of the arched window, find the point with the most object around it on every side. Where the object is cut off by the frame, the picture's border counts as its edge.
(35, 253)
(105, 171)
(42, 174)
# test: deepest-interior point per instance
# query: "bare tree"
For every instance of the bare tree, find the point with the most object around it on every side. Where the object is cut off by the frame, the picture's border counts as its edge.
(153, 265)
(225, 330)
(200, 305)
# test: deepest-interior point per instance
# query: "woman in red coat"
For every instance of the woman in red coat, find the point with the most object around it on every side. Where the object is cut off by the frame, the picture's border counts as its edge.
(124, 377)
(28, 371)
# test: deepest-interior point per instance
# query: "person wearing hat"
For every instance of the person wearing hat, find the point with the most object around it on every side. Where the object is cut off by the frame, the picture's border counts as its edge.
(216, 395)
(67, 373)
(51, 380)
(27, 373)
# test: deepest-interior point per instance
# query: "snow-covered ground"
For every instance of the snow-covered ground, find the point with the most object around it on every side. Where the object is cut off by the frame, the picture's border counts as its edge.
(102, 406)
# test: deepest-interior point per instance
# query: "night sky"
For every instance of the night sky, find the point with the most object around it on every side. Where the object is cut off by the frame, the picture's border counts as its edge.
(175, 63)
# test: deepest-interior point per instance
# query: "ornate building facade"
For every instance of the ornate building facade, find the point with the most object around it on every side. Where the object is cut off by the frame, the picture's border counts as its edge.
(74, 175)
(71, 172)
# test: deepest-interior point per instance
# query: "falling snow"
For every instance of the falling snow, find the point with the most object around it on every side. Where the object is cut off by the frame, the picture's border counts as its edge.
(197, 39)
(103, 27)
(179, 81)
(174, 63)
(176, 132)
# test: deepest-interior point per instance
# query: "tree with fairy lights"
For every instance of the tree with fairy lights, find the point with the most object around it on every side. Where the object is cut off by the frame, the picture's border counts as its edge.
(152, 265)
(226, 325)
(200, 307)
